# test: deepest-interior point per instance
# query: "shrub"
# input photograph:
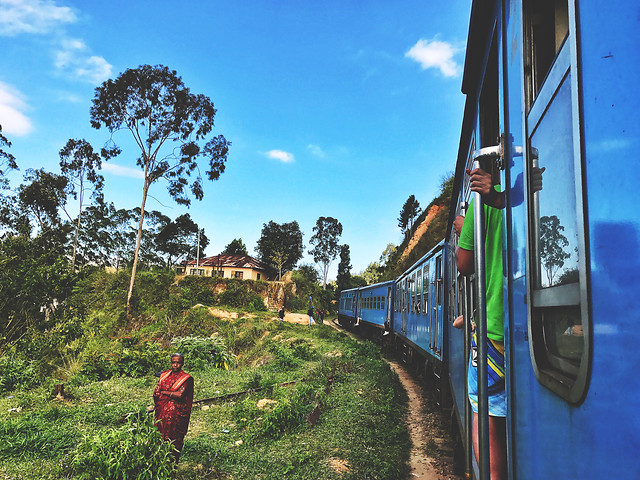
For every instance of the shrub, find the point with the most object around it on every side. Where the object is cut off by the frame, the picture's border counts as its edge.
(202, 352)
(135, 450)
(257, 304)
(105, 359)
(16, 373)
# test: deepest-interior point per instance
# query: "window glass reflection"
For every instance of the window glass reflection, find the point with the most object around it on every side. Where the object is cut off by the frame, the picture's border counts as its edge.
(553, 183)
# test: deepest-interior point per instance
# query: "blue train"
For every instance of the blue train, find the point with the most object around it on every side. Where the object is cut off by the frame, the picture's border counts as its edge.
(552, 111)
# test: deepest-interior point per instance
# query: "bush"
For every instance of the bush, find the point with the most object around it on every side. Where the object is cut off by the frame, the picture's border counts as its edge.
(16, 373)
(202, 352)
(257, 304)
(135, 450)
(105, 359)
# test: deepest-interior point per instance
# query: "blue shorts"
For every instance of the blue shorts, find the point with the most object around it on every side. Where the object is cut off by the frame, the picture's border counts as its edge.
(496, 383)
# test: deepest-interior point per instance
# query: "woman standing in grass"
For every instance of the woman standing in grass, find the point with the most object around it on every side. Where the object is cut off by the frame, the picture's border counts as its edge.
(173, 397)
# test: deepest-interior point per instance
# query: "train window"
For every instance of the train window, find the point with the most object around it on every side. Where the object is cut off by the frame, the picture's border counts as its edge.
(559, 319)
(419, 290)
(547, 28)
(425, 293)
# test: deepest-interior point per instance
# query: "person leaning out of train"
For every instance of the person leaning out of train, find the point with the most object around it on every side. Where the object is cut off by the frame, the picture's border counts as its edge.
(493, 200)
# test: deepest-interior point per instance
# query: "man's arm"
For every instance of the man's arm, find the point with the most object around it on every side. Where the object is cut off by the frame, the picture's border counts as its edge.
(464, 261)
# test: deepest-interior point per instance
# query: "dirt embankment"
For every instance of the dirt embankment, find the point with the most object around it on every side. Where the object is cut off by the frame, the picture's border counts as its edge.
(419, 231)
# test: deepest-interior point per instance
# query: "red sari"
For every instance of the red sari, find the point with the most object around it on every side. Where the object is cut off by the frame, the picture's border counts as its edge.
(172, 413)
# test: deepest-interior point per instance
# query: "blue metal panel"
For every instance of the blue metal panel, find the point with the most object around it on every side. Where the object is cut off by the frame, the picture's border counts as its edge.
(599, 438)
(376, 316)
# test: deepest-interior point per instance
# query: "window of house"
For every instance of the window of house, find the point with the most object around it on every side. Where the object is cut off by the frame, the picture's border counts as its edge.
(258, 276)
(238, 274)
(559, 319)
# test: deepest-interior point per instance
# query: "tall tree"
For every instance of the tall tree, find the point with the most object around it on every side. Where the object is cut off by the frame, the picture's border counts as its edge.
(80, 165)
(325, 244)
(43, 197)
(236, 247)
(410, 210)
(159, 111)
(7, 161)
(176, 239)
(372, 273)
(343, 278)
(280, 245)
(552, 246)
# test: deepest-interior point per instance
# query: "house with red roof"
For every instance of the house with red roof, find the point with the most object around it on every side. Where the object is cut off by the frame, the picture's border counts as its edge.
(243, 267)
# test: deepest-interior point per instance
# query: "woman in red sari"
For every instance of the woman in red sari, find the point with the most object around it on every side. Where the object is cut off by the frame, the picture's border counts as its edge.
(173, 397)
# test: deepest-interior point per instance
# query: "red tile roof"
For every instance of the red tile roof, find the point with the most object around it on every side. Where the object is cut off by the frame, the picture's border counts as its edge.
(233, 261)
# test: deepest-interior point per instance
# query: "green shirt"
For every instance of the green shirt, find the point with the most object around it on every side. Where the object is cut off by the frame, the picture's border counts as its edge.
(493, 265)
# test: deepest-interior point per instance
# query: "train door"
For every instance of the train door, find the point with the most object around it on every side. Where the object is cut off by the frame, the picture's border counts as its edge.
(483, 84)
(437, 312)
(434, 304)
(405, 301)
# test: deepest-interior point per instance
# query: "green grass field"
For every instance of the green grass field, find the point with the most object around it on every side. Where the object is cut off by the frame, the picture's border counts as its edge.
(360, 432)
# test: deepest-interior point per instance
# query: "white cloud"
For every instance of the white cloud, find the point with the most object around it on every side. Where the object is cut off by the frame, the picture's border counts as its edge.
(32, 16)
(281, 155)
(316, 150)
(121, 171)
(12, 116)
(435, 54)
(73, 59)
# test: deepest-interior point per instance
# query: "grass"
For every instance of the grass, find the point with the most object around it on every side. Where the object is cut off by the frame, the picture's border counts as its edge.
(359, 434)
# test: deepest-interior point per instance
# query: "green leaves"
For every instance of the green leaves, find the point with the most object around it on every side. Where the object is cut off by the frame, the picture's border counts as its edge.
(135, 450)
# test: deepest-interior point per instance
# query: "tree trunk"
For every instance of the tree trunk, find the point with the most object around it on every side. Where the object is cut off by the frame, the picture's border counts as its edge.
(145, 189)
(75, 238)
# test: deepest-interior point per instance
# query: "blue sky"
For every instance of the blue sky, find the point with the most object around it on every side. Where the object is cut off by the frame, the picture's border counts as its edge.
(334, 108)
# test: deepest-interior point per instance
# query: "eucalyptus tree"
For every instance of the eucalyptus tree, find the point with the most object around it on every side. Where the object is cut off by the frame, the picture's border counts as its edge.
(172, 128)
(327, 232)
(7, 160)
(43, 196)
(79, 163)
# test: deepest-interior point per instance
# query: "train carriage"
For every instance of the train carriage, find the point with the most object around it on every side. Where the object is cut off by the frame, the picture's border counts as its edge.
(375, 304)
(551, 104)
(420, 305)
(552, 113)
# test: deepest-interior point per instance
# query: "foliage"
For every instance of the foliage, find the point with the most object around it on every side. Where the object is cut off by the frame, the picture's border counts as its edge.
(79, 164)
(156, 107)
(32, 437)
(203, 352)
(235, 247)
(17, 373)
(372, 273)
(344, 268)
(327, 232)
(7, 160)
(280, 245)
(43, 197)
(410, 210)
(178, 239)
(127, 356)
(34, 275)
(392, 261)
(552, 245)
(134, 450)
